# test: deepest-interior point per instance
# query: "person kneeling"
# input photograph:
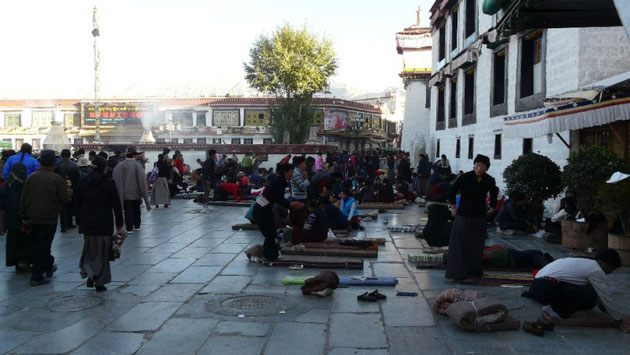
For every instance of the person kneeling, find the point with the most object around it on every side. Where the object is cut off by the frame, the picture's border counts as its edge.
(511, 218)
(350, 210)
(316, 224)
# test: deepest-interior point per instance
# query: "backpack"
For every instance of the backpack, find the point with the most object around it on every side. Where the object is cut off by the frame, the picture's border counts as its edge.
(153, 175)
(19, 164)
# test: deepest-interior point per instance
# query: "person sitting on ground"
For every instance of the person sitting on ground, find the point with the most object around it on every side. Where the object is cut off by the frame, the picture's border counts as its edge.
(335, 217)
(500, 256)
(512, 217)
(437, 231)
(403, 191)
(350, 209)
(500, 201)
(372, 193)
(316, 224)
(568, 285)
(386, 193)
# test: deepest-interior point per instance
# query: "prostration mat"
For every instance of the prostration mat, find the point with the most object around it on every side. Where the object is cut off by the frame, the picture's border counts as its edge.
(346, 281)
(497, 279)
(365, 253)
(318, 262)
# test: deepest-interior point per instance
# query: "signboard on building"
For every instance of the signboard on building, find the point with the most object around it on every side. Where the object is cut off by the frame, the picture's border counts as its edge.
(335, 120)
(115, 114)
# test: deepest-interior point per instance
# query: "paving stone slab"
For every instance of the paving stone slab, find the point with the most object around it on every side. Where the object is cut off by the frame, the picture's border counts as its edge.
(179, 336)
(308, 338)
(148, 316)
(314, 316)
(241, 266)
(172, 265)
(197, 274)
(229, 248)
(215, 259)
(407, 312)
(347, 351)
(356, 331)
(390, 270)
(174, 292)
(152, 278)
(250, 329)
(191, 252)
(63, 340)
(345, 301)
(111, 343)
(231, 345)
(12, 338)
(407, 340)
(227, 284)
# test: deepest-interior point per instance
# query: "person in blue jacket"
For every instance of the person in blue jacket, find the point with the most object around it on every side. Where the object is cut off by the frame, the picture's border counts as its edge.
(350, 209)
(25, 157)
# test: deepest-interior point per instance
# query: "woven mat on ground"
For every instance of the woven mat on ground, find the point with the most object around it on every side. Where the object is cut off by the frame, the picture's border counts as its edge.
(407, 228)
(319, 262)
(379, 241)
(481, 315)
(346, 281)
(497, 279)
(230, 203)
(380, 206)
(590, 318)
(363, 253)
(324, 245)
(245, 227)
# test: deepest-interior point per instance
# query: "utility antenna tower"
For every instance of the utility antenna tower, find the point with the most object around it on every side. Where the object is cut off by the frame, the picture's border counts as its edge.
(97, 59)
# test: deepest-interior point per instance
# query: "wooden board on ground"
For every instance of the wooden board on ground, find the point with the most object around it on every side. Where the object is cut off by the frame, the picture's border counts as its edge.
(230, 203)
(340, 232)
(380, 206)
(365, 253)
(245, 227)
(319, 262)
(325, 245)
(372, 215)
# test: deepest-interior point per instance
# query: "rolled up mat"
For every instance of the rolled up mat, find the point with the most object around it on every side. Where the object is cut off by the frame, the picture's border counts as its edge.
(482, 315)
(368, 281)
(295, 280)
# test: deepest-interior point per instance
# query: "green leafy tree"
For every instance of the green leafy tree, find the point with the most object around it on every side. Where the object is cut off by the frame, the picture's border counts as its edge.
(293, 65)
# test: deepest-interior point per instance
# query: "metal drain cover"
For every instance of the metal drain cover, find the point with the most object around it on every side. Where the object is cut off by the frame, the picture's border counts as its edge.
(249, 305)
(72, 303)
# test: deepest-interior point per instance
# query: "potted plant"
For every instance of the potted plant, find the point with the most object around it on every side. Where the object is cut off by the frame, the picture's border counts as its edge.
(615, 202)
(584, 173)
(537, 176)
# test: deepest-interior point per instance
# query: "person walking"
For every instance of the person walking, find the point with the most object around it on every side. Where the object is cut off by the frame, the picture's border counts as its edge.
(160, 194)
(17, 247)
(299, 188)
(469, 228)
(208, 174)
(25, 157)
(69, 171)
(43, 194)
(263, 209)
(132, 188)
(98, 206)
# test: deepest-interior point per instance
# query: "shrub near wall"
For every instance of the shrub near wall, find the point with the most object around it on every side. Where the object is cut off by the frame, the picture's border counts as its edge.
(536, 176)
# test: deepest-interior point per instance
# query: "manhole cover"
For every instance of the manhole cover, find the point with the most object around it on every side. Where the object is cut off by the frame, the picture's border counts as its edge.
(249, 305)
(72, 303)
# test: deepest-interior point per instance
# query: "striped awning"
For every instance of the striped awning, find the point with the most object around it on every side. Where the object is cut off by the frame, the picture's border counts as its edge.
(575, 115)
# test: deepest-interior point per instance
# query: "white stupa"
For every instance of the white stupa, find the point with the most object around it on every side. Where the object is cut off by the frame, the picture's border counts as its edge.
(147, 137)
(56, 139)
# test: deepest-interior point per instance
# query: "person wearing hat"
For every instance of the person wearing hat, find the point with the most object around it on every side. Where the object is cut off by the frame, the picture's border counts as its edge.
(43, 194)
(98, 210)
(84, 165)
(69, 171)
(132, 188)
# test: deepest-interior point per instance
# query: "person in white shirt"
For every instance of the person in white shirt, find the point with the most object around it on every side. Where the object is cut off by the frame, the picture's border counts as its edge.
(568, 285)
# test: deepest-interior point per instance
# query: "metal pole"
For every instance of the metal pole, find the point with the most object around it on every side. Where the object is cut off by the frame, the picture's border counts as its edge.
(97, 113)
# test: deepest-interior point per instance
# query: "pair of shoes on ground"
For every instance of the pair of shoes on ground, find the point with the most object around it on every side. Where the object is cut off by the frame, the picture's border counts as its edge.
(538, 327)
(44, 280)
(99, 288)
(371, 296)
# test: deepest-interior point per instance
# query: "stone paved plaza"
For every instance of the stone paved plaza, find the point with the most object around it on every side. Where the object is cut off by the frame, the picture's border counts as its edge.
(183, 286)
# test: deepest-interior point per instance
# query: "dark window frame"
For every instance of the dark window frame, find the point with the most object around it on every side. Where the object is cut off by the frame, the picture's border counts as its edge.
(471, 14)
(526, 42)
(248, 140)
(471, 146)
(442, 42)
(499, 108)
(452, 116)
(205, 119)
(202, 141)
(440, 122)
(497, 146)
(454, 28)
(427, 97)
(528, 145)
(437, 149)
(458, 148)
(267, 140)
(235, 141)
(469, 117)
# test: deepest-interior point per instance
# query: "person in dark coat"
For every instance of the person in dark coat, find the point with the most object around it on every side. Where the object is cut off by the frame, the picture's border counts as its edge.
(437, 231)
(17, 248)
(160, 194)
(69, 171)
(263, 209)
(465, 247)
(208, 176)
(98, 206)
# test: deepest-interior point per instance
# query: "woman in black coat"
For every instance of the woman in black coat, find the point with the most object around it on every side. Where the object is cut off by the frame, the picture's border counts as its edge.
(18, 247)
(97, 206)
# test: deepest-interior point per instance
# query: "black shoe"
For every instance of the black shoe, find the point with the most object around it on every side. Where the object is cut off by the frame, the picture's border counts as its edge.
(157, 206)
(63, 230)
(100, 288)
(50, 273)
(165, 206)
(40, 282)
(378, 295)
(89, 283)
(367, 297)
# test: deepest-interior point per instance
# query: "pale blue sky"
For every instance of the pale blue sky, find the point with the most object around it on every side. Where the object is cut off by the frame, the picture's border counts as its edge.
(150, 45)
